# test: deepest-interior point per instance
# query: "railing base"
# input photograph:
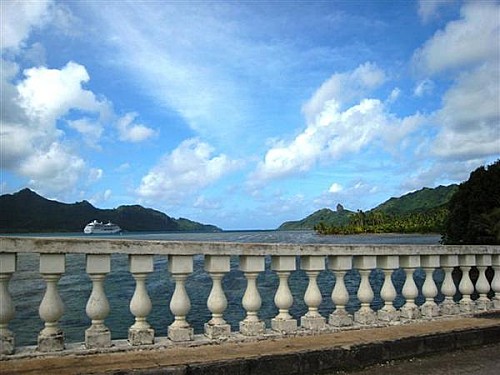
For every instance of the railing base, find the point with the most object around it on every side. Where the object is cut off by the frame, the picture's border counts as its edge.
(51, 343)
(217, 331)
(141, 336)
(313, 323)
(7, 343)
(97, 338)
(250, 328)
(180, 334)
(340, 318)
(284, 325)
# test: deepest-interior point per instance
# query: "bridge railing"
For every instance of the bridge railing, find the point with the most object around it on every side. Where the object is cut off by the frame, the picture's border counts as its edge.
(282, 260)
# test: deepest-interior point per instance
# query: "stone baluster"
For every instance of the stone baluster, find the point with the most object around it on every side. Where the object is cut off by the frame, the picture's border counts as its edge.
(448, 306)
(98, 335)
(217, 266)
(495, 283)
(410, 291)
(51, 337)
(251, 266)
(483, 303)
(429, 309)
(180, 266)
(365, 264)
(283, 322)
(340, 296)
(7, 310)
(388, 313)
(466, 287)
(141, 333)
(313, 265)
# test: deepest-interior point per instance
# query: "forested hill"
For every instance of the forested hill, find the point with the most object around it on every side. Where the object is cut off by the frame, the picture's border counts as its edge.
(420, 201)
(325, 215)
(26, 211)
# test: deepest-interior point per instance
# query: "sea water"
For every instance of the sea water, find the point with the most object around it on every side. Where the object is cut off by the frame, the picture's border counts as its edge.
(27, 287)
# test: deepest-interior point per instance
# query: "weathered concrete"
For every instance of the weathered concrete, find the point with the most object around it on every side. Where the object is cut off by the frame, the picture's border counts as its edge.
(58, 245)
(311, 354)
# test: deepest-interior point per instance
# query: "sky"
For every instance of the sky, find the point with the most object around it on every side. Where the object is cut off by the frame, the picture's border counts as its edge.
(246, 114)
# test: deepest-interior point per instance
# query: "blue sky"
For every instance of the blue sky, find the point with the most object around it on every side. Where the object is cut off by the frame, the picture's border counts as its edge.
(245, 114)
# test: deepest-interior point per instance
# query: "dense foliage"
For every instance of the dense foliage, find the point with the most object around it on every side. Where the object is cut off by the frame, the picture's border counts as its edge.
(475, 209)
(422, 211)
(375, 221)
(326, 216)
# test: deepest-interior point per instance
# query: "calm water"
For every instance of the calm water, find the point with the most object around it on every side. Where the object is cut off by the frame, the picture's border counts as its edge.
(27, 287)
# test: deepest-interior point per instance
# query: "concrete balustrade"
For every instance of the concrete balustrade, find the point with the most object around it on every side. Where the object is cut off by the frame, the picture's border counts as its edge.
(314, 260)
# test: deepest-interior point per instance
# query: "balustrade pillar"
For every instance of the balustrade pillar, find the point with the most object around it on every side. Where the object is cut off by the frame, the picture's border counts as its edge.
(51, 337)
(141, 333)
(430, 308)
(495, 283)
(388, 313)
(180, 266)
(7, 310)
(410, 310)
(283, 322)
(365, 264)
(483, 303)
(466, 287)
(217, 266)
(340, 296)
(251, 266)
(448, 306)
(98, 335)
(313, 265)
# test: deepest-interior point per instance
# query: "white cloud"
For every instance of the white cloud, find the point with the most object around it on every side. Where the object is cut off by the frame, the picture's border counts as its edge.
(394, 95)
(470, 114)
(428, 9)
(90, 130)
(206, 204)
(423, 87)
(335, 188)
(48, 94)
(56, 169)
(343, 88)
(95, 174)
(132, 132)
(33, 145)
(107, 194)
(32, 126)
(187, 169)
(333, 132)
(464, 42)
(19, 18)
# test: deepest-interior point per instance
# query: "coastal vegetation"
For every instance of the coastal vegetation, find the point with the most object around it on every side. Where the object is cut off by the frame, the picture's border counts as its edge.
(376, 221)
(465, 214)
(422, 211)
(26, 211)
(474, 210)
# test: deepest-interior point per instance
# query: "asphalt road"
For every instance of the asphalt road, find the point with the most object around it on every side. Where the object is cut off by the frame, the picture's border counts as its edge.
(484, 360)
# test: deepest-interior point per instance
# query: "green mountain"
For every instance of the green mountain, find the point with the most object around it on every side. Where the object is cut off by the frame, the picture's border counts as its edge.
(325, 215)
(418, 201)
(26, 211)
(421, 201)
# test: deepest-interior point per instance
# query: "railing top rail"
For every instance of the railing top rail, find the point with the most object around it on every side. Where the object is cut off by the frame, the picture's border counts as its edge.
(160, 247)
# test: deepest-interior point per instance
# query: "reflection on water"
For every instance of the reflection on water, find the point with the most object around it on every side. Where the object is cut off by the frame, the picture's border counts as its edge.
(27, 287)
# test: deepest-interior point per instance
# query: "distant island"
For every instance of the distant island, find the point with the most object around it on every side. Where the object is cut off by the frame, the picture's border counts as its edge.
(420, 211)
(28, 212)
(468, 213)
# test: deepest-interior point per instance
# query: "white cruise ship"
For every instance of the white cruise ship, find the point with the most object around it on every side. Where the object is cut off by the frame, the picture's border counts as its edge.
(96, 227)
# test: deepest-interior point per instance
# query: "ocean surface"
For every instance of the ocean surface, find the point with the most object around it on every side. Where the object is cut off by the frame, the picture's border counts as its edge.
(27, 287)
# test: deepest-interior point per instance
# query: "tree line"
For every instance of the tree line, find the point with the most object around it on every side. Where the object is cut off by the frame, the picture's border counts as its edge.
(432, 221)
(472, 216)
